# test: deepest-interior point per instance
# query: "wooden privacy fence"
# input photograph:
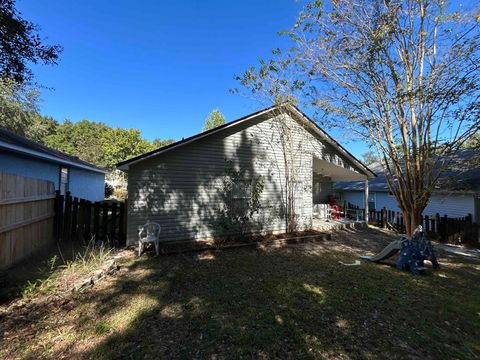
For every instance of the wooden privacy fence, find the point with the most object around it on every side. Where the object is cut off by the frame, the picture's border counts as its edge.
(26, 217)
(81, 220)
(443, 228)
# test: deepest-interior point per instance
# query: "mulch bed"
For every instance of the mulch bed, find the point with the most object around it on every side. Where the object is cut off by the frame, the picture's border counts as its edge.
(175, 247)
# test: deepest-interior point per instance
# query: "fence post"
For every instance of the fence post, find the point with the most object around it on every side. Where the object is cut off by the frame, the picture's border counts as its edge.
(74, 218)
(67, 216)
(104, 221)
(81, 219)
(447, 227)
(438, 225)
(121, 225)
(96, 220)
(113, 222)
(427, 224)
(88, 221)
(58, 208)
(468, 228)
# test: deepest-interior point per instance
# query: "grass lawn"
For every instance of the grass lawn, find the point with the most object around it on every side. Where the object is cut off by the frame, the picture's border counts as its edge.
(292, 302)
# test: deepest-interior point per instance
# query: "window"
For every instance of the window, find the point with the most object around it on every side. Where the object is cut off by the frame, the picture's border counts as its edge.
(240, 195)
(372, 201)
(64, 179)
(242, 190)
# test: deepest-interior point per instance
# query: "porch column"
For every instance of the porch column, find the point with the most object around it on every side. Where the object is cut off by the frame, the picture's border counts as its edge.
(366, 201)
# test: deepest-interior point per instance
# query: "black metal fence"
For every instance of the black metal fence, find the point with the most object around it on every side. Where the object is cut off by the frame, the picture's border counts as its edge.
(443, 228)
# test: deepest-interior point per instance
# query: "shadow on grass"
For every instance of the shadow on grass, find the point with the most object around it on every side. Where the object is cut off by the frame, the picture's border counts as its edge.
(14, 280)
(292, 302)
(284, 304)
(40, 270)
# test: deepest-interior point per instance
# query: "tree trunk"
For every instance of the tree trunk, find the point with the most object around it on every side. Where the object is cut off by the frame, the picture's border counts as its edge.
(413, 218)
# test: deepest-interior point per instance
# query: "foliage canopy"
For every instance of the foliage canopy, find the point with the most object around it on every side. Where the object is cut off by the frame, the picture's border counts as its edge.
(403, 75)
(214, 119)
(21, 44)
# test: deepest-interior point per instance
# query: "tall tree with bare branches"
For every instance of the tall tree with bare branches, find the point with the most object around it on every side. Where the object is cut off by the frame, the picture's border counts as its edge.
(404, 75)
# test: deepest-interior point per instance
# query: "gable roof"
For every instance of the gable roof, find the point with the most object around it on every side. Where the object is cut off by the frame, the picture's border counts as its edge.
(459, 177)
(125, 164)
(21, 145)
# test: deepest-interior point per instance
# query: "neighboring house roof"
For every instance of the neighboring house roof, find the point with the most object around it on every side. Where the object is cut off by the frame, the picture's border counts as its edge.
(461, 176)
(21, 145)
(125, 164)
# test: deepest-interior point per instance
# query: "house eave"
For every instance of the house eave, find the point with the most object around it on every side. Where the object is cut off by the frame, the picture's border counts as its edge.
(49, 158)
(436, 191)
(124, 166)
(335, 144)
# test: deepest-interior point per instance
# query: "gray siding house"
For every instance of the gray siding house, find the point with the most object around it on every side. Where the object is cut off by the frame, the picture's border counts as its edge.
(457, 195)
(180, 185)
(24, 157)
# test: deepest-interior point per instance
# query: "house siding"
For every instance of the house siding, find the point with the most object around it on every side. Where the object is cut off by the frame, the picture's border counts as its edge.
(84, 184)
(452, 205)
(29, 167)
(182, 189)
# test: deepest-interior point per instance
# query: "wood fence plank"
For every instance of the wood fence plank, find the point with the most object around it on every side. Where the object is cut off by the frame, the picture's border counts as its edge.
(96, 219)
(104, 232)
(113, 221)
(26, 217)
(73, 230)
(32, 198)
(88, 221)
(67, 216)
(22, 223)
(122, 223)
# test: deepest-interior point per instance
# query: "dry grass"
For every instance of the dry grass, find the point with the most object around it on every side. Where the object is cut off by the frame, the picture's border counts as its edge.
(63, 266)
(291, 302)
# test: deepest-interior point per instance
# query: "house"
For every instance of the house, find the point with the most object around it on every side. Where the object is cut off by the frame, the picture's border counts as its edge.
(457, 193)
(24, 157)
(180, 186)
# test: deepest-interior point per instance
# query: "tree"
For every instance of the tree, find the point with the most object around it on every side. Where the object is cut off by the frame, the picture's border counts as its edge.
(122, 144)
(473, 142)
(94, 142)
(19, 111)
(213, 120)
(17, 104)
(370, 157)
(83, 139)
(20, 44)
(403, 75)
(158, 143)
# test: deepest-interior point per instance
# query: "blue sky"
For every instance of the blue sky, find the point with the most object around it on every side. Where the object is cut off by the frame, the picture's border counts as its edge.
(159, 66)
